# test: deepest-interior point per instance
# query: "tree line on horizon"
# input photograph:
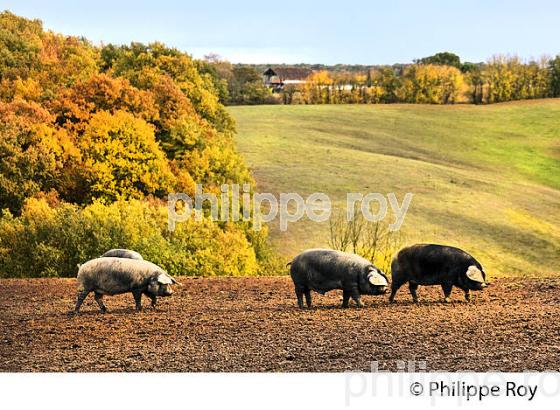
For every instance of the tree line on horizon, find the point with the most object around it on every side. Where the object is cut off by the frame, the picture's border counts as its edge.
(439, 79)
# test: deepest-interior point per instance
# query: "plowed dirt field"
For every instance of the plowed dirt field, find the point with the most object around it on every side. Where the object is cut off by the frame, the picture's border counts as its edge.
(253, 324)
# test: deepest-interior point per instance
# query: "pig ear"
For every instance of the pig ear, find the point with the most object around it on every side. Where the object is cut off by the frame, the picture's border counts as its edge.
(474, 274)
(376, 279)
(164, 279)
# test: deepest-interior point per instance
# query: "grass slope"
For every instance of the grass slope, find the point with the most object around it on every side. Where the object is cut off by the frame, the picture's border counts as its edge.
(484, 178)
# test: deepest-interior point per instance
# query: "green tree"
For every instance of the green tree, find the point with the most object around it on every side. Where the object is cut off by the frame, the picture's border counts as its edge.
(444, 58)
(554, 68)
(220, 73)
(246, 86)
(475, 80)
(387, 79)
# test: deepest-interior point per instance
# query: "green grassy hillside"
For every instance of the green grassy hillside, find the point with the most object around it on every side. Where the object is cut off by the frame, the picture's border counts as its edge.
(484, 178)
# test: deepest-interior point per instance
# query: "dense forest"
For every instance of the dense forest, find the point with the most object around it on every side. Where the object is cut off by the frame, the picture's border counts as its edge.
(439, 79)
(93, 138)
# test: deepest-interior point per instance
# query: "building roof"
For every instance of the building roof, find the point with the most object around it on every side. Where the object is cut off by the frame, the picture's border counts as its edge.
(289, 73)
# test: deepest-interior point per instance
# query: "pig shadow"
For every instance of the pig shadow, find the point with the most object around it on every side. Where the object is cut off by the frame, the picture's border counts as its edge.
(109, 312)
(386, 305)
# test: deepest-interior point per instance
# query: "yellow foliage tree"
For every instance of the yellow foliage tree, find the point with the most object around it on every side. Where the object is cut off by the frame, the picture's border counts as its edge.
(432, 84)
(317, 88)
(121, 158)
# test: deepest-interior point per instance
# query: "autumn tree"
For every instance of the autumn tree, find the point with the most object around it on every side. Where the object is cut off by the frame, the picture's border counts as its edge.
(75, 105)
(508, 78)
(64, 60)
(317, 88)
(134, 61)
(121, 158)
(87, 128)
(34, 154)
(20, 45)
(432, 84)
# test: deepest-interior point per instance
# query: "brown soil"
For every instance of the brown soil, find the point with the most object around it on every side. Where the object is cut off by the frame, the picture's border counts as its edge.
(253, 324)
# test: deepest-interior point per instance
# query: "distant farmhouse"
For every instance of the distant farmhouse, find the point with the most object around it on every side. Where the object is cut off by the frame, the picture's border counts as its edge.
(279, 77)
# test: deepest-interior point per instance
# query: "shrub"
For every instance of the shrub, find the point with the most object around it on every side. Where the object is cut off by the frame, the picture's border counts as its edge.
(372, 240)
(50, 241)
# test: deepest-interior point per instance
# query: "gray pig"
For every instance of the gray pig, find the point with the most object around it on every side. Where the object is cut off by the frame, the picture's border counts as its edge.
(123, 253)
(323, 270)
(113, 276)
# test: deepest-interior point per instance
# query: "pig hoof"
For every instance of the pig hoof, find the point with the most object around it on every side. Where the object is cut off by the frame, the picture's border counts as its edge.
(415, 301)
(447, 300)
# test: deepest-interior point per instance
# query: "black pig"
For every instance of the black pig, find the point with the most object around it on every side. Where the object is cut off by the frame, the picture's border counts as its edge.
(428, 264)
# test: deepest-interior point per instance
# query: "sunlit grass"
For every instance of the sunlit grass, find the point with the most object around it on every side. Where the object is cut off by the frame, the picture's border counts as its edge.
(485, 178)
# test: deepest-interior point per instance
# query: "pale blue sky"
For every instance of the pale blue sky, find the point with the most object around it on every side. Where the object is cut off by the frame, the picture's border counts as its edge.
(344, 31)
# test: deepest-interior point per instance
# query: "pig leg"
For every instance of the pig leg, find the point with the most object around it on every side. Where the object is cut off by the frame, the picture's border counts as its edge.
(345, 298)
(447, 287)
(80, 299)
(413, 287)
(99, 300)
(154, 301)
(394, 288)
(308, 297)
(138, 300)
(467, 295)
(153, 298)
(299, 295)
(357, 298)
